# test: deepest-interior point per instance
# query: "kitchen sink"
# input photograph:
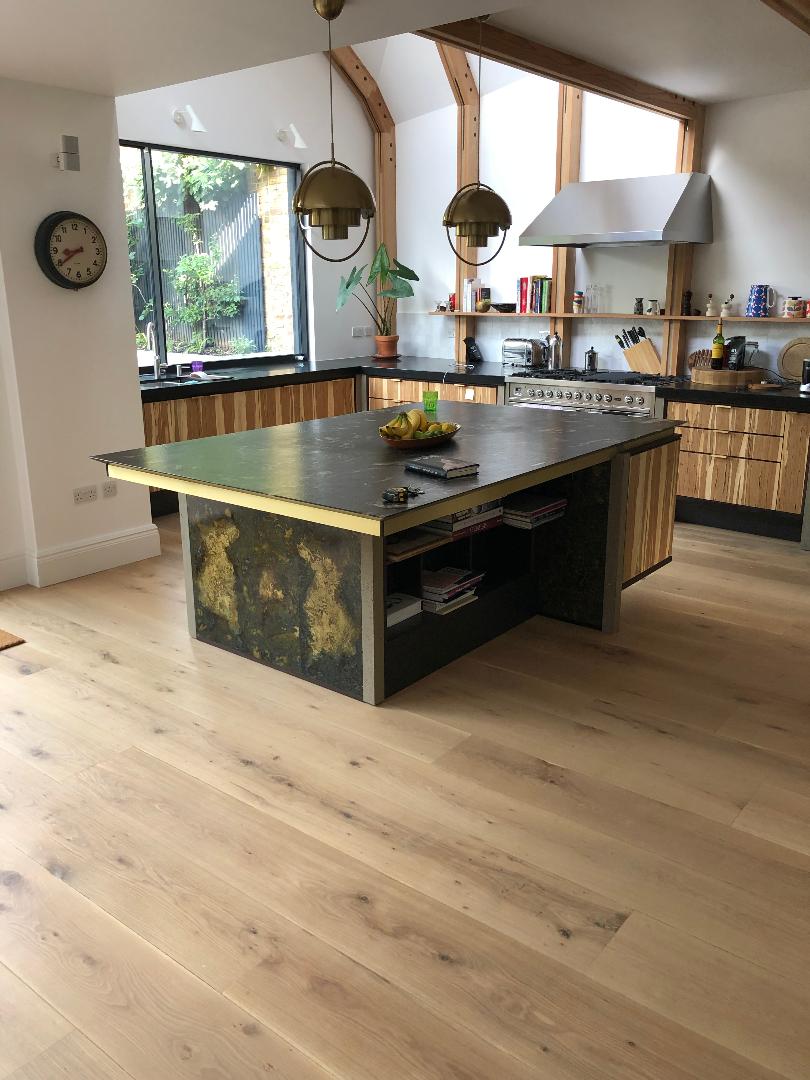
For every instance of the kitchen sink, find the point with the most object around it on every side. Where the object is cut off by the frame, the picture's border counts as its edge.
(182, 380)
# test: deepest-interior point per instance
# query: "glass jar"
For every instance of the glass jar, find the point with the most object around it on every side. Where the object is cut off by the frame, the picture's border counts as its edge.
(579, 303)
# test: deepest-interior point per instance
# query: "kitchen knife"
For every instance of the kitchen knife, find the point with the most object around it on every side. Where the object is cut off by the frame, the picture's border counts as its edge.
(627, 341)
(641, 331)
(634, 337)
(621, 343)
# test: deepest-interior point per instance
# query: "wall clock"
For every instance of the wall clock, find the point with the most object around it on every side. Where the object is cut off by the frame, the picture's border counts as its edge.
(70, 249)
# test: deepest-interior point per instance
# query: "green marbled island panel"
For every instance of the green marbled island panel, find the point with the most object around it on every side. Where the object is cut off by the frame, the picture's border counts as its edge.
(280, 591)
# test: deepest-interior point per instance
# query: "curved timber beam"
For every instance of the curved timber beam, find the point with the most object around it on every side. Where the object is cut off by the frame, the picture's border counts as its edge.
(539, 59)
(365, 89)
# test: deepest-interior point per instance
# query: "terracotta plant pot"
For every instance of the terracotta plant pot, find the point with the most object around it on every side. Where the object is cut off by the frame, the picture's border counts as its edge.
(386, 346)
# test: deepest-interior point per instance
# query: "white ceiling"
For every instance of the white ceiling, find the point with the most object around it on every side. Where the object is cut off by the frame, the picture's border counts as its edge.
(709, 50)
(121, 46)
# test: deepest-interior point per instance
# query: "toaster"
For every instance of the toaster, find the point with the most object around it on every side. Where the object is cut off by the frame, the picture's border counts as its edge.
(524, 352)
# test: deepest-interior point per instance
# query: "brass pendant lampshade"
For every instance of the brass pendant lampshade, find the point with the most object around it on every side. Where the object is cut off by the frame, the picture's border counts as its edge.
(330, 196)
(476, 212)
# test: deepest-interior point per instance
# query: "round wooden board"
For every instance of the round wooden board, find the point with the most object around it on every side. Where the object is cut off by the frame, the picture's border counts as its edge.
(791, 357)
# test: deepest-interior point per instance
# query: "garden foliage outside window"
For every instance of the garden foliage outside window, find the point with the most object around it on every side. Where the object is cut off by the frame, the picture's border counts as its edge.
(214, 256)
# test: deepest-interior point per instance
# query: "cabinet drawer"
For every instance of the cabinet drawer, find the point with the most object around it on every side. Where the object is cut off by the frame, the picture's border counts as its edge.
(400, 391)
(731, 443)
(727, 418)
(741, 481)
(384, 389)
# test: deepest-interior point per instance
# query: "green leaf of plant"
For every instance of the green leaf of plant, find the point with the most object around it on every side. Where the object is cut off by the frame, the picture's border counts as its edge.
(380, 265)
(348, 285)
(400, 270)
(398, 289)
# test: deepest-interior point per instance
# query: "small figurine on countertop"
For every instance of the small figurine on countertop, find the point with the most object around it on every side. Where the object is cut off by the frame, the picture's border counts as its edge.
(727, 307)
(712, 310)
(686, 302)
(638, 306)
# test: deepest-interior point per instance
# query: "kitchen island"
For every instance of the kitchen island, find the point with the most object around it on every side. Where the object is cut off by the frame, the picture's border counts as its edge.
(285, 530)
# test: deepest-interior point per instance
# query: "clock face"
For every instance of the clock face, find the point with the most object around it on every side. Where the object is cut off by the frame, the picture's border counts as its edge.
(70, 249)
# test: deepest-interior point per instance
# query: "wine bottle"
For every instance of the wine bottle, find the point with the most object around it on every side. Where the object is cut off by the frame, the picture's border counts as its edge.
(718, 346)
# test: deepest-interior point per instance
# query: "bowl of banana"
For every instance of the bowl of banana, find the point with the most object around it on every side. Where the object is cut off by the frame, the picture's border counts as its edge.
(413, 430)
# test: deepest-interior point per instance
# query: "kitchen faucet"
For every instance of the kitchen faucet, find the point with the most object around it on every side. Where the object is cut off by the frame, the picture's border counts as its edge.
(159, 368)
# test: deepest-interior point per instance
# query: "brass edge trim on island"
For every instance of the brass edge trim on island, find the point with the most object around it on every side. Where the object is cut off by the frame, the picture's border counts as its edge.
(319, 515)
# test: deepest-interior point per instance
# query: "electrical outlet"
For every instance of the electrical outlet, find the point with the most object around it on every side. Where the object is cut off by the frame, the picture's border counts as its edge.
(109, 489)
(369, 331)
(358, 331)
(85, 494)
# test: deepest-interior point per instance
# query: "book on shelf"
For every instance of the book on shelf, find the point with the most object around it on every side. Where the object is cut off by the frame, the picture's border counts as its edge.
(401, 606)
(442, 467)
(437, 608)
(527, 510)
(406, 544)
(448, 589)
(475, 516)
(522, 295)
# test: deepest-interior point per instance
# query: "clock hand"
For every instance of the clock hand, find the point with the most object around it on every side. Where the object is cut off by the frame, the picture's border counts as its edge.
(67, 254)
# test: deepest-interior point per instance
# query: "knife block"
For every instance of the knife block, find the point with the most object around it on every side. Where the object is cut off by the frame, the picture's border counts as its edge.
(643, 357)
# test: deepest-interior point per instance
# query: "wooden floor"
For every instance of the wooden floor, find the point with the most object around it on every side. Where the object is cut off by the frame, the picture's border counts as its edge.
(568, 856)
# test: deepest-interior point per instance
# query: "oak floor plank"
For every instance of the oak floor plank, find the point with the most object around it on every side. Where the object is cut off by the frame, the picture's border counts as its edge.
(728, 1000)
(146, 1012)
(780, 816)
(72, 1058)
(533, 1007)
(27, 1024)
(724, 915)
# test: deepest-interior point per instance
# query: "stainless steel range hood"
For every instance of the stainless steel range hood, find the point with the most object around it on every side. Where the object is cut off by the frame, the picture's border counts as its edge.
(672, 209)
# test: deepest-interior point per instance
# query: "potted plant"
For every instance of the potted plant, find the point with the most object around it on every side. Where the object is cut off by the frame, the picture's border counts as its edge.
(388, 281)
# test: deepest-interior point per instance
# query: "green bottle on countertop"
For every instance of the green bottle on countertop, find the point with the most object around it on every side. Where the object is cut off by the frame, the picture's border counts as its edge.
(718, 346)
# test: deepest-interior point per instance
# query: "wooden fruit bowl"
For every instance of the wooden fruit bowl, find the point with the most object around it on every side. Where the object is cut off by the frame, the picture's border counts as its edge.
(420, 444)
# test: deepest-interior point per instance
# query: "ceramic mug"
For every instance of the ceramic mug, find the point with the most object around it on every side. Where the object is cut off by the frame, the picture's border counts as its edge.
(761, 299)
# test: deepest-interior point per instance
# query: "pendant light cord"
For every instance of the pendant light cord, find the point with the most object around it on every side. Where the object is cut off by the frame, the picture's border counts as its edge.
(331, 103)
(480, 96)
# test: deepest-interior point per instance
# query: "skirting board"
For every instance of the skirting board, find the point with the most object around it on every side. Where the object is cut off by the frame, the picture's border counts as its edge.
(13, 572)
(52, 565)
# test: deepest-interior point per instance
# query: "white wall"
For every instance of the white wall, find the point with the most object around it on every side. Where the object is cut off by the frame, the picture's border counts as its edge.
(69, 377)
(243, 111)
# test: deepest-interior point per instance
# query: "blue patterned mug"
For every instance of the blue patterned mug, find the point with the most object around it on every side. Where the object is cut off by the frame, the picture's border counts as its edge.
(761, 299)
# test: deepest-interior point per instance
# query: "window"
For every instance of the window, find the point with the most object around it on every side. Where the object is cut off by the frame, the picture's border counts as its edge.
(214, 254)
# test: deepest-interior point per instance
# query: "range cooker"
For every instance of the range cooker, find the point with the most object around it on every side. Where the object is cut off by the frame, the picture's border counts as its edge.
(627, 393)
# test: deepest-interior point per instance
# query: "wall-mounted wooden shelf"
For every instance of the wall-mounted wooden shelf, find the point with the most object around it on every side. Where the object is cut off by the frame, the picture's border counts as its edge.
(624, 316)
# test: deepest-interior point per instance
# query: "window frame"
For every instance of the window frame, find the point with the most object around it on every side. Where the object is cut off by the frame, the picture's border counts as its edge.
(297, 249)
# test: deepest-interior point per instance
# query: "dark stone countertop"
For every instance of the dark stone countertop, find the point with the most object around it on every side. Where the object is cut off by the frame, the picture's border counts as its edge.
(258, 375)
(786, 400)
(342, 464)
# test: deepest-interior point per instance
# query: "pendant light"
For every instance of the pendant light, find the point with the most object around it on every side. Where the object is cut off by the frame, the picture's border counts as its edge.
(477, 212)
(333, 197)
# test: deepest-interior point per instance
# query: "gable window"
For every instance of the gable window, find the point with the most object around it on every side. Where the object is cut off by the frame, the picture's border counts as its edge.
(215, 259)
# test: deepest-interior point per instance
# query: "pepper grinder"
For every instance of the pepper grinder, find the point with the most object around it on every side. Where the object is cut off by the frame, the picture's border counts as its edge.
(591, 359)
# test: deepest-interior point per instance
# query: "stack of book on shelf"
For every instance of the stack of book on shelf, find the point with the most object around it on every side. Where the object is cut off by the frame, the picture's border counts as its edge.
(528, 510)
(534, 295)
(401, 606)
(473, 292)
(448, 589)
(468, 522)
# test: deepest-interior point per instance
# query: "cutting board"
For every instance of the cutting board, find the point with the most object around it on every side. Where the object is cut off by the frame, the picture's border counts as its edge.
(643, 357)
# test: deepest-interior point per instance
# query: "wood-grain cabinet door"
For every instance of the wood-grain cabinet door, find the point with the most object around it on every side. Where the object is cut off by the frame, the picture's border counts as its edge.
(385, 393)
(650, 509)
(795, 457)
(244, 410)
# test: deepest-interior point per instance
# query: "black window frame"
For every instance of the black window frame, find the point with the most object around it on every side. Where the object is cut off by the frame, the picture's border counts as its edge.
(297, 247)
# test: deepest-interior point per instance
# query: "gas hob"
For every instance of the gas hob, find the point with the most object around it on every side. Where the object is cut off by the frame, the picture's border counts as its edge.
(627, 393)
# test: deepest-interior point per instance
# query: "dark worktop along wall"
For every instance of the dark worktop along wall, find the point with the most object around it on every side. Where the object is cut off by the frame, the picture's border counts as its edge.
(432, 369)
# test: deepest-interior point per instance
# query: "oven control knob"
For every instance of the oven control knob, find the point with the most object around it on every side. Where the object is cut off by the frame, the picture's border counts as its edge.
(589, 396)
(608, 397)
(578, 396)
(549, 393)
(628, 399)
(559, 393)
(597, 397)
(639, 400)
(568, 395)
(530, 391)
